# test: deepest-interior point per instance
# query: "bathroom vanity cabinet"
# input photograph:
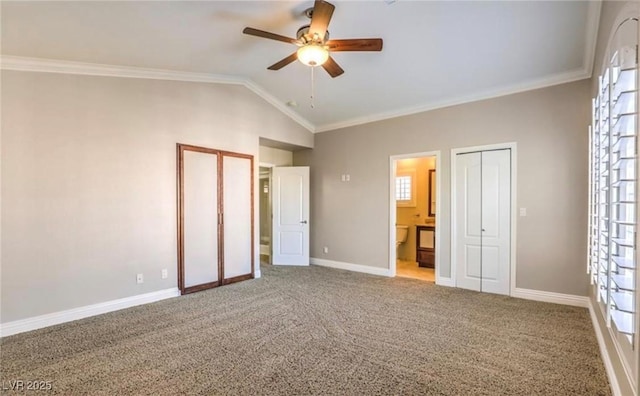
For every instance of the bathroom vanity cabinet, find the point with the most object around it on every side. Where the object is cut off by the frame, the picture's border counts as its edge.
(426, 246)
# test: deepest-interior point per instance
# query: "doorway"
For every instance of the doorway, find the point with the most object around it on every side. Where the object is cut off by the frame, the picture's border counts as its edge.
(483, 222)
(265, 214)
(414, 188)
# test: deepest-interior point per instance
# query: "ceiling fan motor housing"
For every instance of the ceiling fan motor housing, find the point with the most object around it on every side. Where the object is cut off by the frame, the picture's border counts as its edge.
(305, 38)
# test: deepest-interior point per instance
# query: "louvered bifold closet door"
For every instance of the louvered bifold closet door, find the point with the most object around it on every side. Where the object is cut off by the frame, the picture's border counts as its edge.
(238, 228)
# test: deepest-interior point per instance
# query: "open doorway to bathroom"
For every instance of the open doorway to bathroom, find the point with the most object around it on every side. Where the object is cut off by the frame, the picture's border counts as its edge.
(415, 197)
(265, 215)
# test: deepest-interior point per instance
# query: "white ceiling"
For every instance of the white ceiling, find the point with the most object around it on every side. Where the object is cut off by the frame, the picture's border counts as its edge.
(435, 53)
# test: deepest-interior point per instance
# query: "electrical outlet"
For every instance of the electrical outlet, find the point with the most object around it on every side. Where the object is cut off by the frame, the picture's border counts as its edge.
(325, 249)
(165, 274)
(523, 212)
(139, 278)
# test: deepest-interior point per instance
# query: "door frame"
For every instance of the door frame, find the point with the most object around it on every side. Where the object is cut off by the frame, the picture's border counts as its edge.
(270, 166)
(180, 149)
(514, 178)
(305, 223)
(393, 215)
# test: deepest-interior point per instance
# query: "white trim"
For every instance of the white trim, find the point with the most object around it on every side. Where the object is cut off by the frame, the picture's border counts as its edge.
(545, 82)
(38, 322)
(350, 267)
(630, 10)
(442, 281)
(593, 24)
(10, 62)
(513, 146)
(393, 212)
(551, 297)
(604, 352)
(272, 100)
(624, 362)
(42, 65)
(18, 63)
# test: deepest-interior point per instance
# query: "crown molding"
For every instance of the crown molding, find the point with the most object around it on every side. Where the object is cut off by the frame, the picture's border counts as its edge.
(557, 79)
(593, 25)
(258, 90)
(8, 62)
(18, 63)
(42, 65)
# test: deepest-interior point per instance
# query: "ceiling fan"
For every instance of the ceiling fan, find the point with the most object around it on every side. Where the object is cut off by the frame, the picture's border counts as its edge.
(314, 42)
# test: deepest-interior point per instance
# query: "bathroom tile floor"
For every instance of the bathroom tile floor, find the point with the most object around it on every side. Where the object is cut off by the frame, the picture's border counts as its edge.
(410, 269)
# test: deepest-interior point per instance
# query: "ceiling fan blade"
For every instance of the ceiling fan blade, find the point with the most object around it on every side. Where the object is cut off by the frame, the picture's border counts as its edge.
(269, 35)
(322, 12)
(371, 44)
(284, 62)
(332, 68)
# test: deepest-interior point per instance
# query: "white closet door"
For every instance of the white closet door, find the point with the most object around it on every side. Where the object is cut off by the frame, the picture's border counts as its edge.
(483, 212)
(496, 222)
(237, 222)
(468, 220)
(200, 200)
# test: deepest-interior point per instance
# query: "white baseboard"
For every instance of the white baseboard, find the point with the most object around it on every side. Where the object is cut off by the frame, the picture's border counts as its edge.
(350, 267)
(445, 282)
(550, 297)
(604, 352)
(38, 322)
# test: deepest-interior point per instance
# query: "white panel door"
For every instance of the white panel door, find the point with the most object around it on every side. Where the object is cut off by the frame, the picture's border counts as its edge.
(237, 219)
(468, 184)
(496, 221)
(290, 197)
(200, 200)
(483, 213)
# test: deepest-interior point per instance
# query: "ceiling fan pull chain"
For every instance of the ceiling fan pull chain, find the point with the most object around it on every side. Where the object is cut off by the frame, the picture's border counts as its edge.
(312, 87)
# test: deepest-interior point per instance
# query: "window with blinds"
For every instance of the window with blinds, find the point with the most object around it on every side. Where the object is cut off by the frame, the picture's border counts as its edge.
(613, 219)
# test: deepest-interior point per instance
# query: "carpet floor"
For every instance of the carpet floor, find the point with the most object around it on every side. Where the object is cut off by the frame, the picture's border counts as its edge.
(318, 331)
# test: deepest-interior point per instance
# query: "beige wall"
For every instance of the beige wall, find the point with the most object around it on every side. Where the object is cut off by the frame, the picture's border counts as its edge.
(89, 180)
(550, 128)
(417, 214)
(609, 14)
(274, 156)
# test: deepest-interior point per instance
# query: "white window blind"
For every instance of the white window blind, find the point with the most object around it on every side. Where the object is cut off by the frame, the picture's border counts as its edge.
(613, 220)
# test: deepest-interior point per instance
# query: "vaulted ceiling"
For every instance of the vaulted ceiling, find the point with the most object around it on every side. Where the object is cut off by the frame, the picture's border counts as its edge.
(436, 53)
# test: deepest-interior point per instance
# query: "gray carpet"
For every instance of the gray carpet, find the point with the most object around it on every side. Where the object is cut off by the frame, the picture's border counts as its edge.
(301, 331)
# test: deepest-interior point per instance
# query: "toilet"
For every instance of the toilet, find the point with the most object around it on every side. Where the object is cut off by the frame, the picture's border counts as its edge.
(402, 231)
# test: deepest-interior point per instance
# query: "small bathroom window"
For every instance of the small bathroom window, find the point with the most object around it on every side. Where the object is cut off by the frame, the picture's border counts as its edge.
(405, 189)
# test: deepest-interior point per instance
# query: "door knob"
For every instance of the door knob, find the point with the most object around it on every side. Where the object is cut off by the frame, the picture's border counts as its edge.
(303, 222)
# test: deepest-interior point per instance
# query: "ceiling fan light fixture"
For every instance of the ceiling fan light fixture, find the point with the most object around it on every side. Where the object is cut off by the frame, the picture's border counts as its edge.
(313, 55)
